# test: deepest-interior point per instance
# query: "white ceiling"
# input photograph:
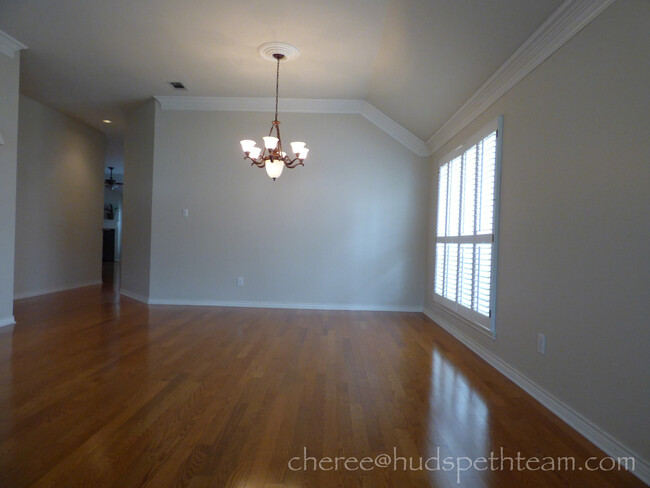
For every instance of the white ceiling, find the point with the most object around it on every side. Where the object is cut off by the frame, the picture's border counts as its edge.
(415, 60)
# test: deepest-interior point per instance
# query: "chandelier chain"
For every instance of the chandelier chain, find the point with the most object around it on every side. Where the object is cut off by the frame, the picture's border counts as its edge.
(277, 88)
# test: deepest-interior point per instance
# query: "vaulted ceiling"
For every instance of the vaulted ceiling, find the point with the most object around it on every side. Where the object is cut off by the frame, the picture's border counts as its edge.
(417, 61)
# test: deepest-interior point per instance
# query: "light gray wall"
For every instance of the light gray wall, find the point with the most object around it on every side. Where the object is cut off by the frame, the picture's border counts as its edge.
(574, 256)
(59, 201)
(136, 199)
(9, 71)
(346, 230)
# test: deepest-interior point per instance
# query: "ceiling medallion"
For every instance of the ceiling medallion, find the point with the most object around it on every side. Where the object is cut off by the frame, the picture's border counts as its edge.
(272, 157)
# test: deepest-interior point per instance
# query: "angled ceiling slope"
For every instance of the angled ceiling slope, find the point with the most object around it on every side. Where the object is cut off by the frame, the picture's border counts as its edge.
(390, 75)
(562, 25)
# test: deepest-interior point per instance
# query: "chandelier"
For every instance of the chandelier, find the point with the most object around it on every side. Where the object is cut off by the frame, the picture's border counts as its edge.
(272, 157)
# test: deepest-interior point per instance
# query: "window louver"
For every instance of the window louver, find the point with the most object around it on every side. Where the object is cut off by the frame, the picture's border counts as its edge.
(466, 230)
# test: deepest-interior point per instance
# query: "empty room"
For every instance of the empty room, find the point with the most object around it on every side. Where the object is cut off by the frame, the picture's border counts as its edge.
(360, 243)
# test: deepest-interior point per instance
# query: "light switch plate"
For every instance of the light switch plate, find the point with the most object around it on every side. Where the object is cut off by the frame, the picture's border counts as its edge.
(541, 343)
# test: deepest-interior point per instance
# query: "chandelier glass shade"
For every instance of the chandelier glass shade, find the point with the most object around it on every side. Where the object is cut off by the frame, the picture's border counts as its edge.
(272, 156)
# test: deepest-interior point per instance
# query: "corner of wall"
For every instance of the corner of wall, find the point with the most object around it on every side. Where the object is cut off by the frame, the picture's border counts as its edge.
(137, 198)
(9, 86)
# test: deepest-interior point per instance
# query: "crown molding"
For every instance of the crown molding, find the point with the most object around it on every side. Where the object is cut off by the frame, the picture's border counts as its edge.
(300, 105)
(243, 104)
(562, 25)
(10, 46)
(395, 130)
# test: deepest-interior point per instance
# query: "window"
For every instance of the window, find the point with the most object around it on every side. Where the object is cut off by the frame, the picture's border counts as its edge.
(466, 236)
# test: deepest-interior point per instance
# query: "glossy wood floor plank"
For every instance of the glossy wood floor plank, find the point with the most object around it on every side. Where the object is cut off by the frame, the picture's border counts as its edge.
(102, 391)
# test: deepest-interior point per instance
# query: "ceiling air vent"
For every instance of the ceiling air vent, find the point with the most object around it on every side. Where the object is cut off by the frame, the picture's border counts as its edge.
(177, 85)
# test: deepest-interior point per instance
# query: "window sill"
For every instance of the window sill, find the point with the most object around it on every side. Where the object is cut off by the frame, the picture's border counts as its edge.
(457, 318)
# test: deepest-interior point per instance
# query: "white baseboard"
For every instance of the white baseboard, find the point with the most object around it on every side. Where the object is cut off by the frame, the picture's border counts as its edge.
(592, 432)
(285, 305)
(135, 296)
(55, 289)
(7, 321)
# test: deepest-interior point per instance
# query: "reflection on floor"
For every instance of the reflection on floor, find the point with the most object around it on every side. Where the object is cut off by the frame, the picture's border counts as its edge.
(111, 276)
(99, 390)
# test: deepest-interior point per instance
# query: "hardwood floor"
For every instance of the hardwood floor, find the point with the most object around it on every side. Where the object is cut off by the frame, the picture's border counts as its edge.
(102, 391)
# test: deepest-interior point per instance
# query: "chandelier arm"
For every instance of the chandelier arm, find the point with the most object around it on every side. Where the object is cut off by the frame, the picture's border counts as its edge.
(260, 163)
(293, 163)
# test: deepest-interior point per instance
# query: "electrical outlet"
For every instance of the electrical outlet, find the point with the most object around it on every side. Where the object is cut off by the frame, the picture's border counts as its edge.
(541, 343)
(240, 281)
(186, 212)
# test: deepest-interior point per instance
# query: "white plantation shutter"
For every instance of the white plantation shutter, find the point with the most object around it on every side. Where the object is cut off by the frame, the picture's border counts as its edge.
(464, 274)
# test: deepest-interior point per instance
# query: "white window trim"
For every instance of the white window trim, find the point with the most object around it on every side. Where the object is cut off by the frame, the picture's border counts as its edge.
(446, 304)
